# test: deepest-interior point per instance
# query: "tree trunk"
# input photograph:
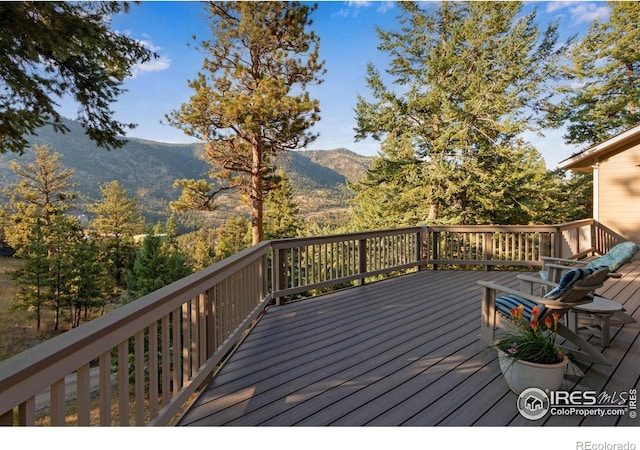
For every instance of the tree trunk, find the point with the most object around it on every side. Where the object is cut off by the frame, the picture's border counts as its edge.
(256, 194)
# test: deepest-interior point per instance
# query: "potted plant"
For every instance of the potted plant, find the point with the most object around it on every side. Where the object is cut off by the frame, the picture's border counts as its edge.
(529, 357)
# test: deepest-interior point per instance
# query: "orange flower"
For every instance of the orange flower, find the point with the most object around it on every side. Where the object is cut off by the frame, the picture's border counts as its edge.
(548, 321)
(556, 318)
(534, 325)
(535, 312)
(520, 311)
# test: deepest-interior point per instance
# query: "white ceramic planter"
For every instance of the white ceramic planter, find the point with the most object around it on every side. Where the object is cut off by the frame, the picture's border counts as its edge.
(521, 375)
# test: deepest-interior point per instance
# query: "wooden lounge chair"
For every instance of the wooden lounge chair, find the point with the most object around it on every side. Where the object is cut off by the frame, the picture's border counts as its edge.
(615, 258)
(576, 287)
(603, 313)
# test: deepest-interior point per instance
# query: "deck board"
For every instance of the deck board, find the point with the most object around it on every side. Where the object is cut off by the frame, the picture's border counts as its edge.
(403, 351)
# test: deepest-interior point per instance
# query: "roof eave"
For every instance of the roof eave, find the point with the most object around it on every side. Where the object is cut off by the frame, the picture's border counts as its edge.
(584, 160)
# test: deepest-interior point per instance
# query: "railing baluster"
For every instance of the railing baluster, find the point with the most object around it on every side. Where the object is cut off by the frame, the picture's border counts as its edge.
(186, 343)
(154, 368)
(83, 394)
(165, 358)
(123, 383)
(104, 363)
(194, 334)
(26, 412)
(176, 350)
(138, 368)
(57, 403)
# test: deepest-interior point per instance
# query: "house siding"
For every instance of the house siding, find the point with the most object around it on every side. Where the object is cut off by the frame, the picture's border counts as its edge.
(619, 191)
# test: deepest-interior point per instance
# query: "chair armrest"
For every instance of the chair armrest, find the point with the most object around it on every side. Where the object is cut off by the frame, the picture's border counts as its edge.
(507, 290)
(562, 267)
(548, 303)
(536, 280)
(565, 260)
(527, 283)
(553, 304)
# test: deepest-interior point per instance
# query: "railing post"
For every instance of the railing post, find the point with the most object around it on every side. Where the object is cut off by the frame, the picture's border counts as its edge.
(545, 245)
(595, 236)
(435, 247)
(279, 272)
(362, 259)
(557, 243)
(419, 243)
(487, 249)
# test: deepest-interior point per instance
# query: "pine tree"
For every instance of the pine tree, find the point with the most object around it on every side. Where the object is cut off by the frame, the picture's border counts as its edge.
(92, 285)
(281, 213)
(603, 94)
(154, 267)
(233, 237)
(49, 50)
(43, 190)
(203, 253)
(469, 76)
(118, 219)
(250, 104)
(64, 236)
(34, 278)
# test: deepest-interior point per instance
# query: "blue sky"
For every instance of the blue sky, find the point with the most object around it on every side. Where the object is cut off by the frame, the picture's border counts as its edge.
(347, 43)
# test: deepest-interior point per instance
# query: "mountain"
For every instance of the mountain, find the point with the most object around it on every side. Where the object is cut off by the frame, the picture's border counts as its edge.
(147, 169)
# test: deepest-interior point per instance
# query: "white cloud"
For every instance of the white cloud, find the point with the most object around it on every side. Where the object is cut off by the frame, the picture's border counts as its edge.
(556, 6)
(162, 62)
(353, 7)
(359, 4)
(385, 6)
(588, 12)
(581, 12)
(155, 65)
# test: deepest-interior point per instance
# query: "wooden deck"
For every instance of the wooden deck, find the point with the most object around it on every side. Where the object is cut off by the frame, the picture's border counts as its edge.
(403, 351)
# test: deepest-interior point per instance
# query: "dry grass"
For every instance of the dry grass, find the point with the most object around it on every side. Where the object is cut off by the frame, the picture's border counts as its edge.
(17, 330)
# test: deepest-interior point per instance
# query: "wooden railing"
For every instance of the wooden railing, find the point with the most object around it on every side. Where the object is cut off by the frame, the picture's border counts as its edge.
(145, 360)
(507, 245)
(301, 265)
(149, 355)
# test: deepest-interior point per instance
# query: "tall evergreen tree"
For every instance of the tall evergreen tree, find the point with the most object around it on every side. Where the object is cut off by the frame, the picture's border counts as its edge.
(155, 266)
(34, 278)
(43, 190)
(53, 49)
(281, 213)
(118, 219)
(250, 103)
(471, 76)
(602, 97)
(203, 252)
(92, 285)
(233, 237)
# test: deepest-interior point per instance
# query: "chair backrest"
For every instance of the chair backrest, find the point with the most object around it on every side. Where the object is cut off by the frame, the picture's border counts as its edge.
(576, 284)
(618, 256)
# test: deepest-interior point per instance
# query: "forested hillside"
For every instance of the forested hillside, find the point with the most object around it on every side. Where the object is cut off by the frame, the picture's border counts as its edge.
(147, 169)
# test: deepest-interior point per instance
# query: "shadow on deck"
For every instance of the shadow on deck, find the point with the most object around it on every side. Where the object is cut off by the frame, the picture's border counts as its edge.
(403, 351)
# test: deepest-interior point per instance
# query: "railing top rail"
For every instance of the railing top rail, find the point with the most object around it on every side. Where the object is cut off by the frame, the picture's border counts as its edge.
(299, 242)
(494, 228)
(66, 348)
(575, 224)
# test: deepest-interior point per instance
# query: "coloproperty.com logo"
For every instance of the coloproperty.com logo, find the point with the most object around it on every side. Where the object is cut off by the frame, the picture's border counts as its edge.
(534, 403)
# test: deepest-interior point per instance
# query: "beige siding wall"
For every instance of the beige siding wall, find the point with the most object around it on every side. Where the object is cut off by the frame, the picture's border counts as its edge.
(619, 196)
